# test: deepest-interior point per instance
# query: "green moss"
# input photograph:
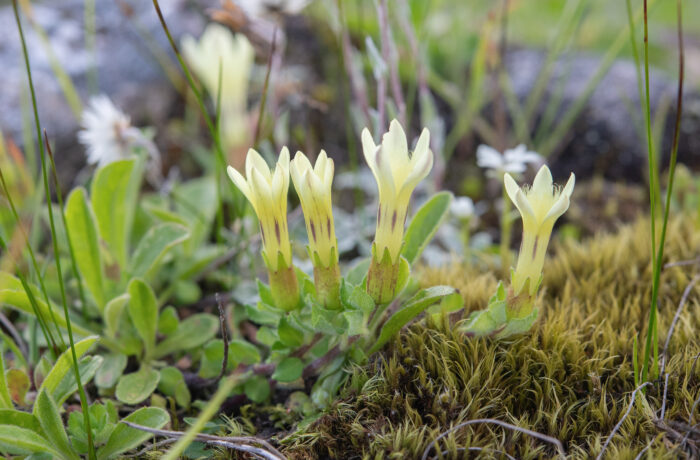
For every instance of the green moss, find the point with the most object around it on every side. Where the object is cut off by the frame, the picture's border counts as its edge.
(571, 378)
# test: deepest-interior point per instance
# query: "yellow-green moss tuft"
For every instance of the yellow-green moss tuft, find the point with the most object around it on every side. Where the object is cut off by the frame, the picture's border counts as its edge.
(570, 378)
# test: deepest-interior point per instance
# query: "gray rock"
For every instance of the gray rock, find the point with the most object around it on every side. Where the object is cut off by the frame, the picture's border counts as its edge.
(605, 138)
(127, 71)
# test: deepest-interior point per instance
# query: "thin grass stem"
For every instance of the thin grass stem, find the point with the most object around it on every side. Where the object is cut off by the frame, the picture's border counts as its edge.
(71, 251)
(81, 390)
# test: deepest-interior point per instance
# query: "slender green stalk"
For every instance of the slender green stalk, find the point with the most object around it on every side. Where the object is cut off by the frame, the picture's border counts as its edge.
(266, 84)
(81, 390)
(219, 209)
(652, 331)
(74, 263)
(506, 226)
(50, 341)
(209, 411)
(91, 44)
(35, 266)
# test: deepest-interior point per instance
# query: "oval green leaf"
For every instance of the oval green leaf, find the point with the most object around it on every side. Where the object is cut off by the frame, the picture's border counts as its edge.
(136, 387)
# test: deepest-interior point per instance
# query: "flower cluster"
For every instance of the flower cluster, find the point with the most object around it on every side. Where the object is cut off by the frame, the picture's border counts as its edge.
(397, 173)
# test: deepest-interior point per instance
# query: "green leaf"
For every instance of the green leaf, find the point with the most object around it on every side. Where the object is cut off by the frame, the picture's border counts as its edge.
(18, 384)
(20, 419)
(172, 383)
(21, 441)
(125, 438)
(288, 370)
(80, 221)
(357, 273)
(243, 352)
(143, 310)
(356, 298)
(137, 386)
(114, 191)
(64, 364)
(112, 367)
(153, 246)
(5, 398)
(212, 359)
(191, 333)
(412, 308)
(257, 388)
(289, 335)
(46, 411)
(113, 314)
(168, 321)
(87, 367)
(424, 225)
(13, 295)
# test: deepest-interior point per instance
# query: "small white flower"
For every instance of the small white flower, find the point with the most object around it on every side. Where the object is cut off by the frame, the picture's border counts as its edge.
(462, 207)
(260, 8)
(107, 132)
(513, 161)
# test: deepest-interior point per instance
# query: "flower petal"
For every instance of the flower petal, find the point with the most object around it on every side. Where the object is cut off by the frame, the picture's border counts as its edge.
(543, 185)
(240, 182)
(255, 161)
(518, 198)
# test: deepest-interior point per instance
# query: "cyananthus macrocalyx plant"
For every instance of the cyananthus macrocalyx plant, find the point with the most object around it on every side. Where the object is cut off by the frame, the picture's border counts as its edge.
(397, 174)
(267, 193)
(513, 311)
(313, 185)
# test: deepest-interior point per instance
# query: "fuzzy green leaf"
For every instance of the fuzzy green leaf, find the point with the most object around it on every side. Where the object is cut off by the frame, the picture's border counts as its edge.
(15, 440)
(357, 272)
(289, 335)
(46, 411)
(80, 221)
(124, 438)
(424, 225)
(5, 398)
(114, 191)
(172, 383)
(412, 308)
(112, 367)
(153, 246)
(18, 385)
(137, 386)
(288, 370)
(64, 364)
(20, 419)
(87, 367)
(113, 313)
(143, 309)
(257, 388)
(191, 333)
(13, 295)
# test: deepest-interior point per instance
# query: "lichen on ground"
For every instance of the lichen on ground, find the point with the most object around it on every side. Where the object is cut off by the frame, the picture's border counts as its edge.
(570, 378)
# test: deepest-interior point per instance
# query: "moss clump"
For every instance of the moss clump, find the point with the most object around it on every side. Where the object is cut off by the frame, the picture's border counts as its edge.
(570, 378)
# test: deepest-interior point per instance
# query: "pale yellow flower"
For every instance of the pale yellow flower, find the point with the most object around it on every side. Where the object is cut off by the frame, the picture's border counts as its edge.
(267, 193)
(218, 48)
(540, 206)
(313, 185)
(397, 174)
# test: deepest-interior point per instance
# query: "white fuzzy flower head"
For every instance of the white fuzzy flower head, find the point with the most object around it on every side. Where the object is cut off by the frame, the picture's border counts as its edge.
(313, 185)
(540, 206)
(106, 132)
(513, 161)
(462, 207)
(267, 193)
(257, 9)
(397, 174)
(218, 48)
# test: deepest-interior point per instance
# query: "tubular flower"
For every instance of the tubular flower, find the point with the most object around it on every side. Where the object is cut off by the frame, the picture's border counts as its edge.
(267, 193)
(540, 206)
(219, 49)
(313, 185)
(397, 174)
